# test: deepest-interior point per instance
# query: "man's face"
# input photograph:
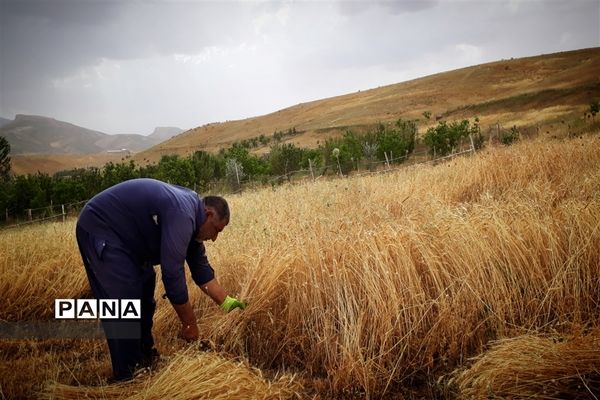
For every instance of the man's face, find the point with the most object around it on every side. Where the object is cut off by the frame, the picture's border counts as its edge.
(212, 226)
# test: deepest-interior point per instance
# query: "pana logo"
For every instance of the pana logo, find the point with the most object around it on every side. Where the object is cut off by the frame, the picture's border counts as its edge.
(97, 309)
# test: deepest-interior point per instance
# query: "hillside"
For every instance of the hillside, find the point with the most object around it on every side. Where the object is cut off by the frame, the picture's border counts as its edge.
(30, 134)
(52, 163)
(525, 92)
(35, 134)
(542, 92)
(163, 133)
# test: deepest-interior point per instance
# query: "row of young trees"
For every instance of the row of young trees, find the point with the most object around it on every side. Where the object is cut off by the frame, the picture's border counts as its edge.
(225, 170)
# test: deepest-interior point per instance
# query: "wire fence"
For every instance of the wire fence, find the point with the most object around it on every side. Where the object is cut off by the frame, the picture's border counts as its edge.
(53, 212)
(360, 168)
(61, 212)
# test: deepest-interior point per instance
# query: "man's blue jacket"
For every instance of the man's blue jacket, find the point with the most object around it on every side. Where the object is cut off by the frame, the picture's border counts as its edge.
(155, 223)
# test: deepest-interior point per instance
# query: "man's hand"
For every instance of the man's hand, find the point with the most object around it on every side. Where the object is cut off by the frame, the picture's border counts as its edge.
(231, 302)
(189, 329)
(189, 332)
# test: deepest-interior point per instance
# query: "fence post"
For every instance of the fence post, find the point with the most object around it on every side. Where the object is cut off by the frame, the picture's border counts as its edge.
(63, 213)
(497, 133)
(7, 215)
(472, 143)
(312, 174)
(29, 214)
(387, 161)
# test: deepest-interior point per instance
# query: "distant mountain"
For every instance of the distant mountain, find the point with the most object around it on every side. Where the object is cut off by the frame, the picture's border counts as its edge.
(163, 133)
(30, 134)
(4, 121)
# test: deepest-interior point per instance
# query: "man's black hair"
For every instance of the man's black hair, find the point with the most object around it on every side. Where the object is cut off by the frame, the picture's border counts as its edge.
(219, 204)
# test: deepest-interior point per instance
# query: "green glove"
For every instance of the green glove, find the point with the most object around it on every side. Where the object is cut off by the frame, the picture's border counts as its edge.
(231, 302)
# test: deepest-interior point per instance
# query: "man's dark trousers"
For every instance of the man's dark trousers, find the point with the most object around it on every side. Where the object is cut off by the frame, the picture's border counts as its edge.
(114, 274)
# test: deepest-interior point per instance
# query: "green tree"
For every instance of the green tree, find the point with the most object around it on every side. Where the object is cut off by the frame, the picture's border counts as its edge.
(315, 157)
(397, 141)
(90, 179)
(253, 166)
(509, 137)
(476, 135)
(207, 168)
(444, 138)
(26, 193)
(175, 170)
(68, 190)
(5, 193)
(234, 170)
(4, 159)
(264, 140)
(285, 158)
(348, 154)
(117, 173)
(45, 182)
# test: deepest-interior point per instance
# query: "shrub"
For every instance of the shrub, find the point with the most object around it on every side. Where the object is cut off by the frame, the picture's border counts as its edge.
(396, 142)
(509, 137)
(445, 138)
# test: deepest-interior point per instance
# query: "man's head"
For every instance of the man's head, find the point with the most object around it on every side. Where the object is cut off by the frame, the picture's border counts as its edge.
(217, 217)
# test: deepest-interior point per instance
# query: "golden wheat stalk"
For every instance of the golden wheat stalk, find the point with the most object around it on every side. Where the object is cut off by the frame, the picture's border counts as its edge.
(532, 366)
(189, 375)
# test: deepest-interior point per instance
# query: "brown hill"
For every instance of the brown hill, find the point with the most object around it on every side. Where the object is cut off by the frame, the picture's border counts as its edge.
(523, 92)
(51, 163)
(532, 91)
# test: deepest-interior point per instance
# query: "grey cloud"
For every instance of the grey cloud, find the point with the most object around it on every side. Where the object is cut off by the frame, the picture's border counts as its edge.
(65, 35)
(59, 11)
(351, 8)
(299, 50)
(356, 7)
(41, 41)
(408, 6)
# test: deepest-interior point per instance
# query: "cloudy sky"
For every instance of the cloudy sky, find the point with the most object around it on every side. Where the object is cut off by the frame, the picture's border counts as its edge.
(129, 66)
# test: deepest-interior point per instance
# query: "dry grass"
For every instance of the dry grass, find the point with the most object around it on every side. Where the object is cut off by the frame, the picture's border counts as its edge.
(370, 286)
(38, 264)
(536, 367)
(372, 281)
(189, 375)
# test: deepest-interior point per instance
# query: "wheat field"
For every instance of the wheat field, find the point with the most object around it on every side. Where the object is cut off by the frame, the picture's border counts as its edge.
(477, 277)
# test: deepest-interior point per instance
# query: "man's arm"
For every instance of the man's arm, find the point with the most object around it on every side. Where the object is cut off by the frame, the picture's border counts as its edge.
(189, 327)
(175, 231)
(203, 275)
(176, 228)
(214, 290)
